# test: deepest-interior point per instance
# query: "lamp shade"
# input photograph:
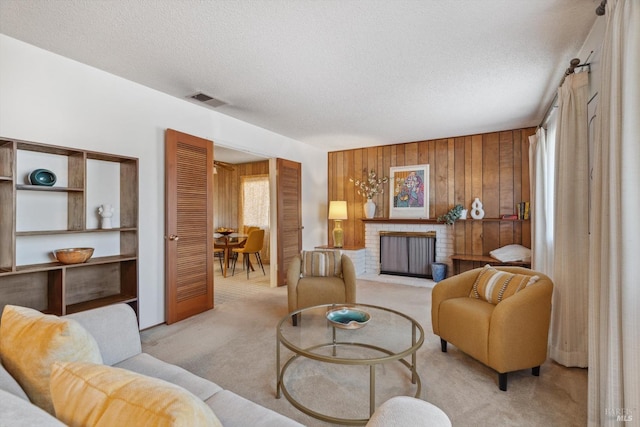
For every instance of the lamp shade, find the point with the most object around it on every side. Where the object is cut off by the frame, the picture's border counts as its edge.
(338, 209)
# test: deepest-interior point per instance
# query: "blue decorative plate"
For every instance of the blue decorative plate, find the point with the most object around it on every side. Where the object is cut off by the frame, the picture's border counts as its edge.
(348, 318)
(42, 177)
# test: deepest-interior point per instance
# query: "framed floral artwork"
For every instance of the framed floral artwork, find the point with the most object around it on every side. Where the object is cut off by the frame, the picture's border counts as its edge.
(409, 192)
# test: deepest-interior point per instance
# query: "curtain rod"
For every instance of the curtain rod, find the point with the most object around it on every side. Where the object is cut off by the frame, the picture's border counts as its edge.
(573, 64)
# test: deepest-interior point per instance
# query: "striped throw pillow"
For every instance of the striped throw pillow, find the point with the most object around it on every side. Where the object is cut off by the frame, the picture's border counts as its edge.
(321, 263)
(493, 285)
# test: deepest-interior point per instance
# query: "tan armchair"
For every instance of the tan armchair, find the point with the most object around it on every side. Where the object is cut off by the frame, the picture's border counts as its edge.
(507, 336)
(310, 290)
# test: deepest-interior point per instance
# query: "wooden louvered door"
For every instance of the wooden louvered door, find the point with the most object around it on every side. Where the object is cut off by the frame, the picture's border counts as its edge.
(289, 190)
(188, 225)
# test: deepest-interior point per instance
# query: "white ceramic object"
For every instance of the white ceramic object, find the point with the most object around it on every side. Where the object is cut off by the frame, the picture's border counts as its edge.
(476, 209)
(106, 212)
(369, 209)
(463, 214)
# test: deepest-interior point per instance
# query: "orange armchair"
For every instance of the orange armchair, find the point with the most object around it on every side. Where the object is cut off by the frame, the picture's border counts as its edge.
(507, 335)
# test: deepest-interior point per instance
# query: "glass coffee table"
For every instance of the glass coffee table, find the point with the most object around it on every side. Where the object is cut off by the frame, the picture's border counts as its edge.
(377, 336)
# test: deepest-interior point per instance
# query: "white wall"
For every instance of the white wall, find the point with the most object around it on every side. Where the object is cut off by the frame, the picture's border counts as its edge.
(50, 99)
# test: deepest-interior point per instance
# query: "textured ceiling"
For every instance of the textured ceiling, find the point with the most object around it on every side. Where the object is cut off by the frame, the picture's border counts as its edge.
(336, 74)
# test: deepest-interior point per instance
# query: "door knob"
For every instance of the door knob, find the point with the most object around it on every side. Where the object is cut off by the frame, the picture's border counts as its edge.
(173, 237)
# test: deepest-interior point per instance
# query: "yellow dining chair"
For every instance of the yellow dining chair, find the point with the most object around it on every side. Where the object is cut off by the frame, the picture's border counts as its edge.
(253, 245)
(219, 253)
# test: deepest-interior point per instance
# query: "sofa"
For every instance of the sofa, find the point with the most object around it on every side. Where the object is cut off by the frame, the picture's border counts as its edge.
(114, 331)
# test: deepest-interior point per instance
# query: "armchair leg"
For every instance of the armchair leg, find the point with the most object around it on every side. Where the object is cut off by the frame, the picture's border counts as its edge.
(502, 381)
(535, 371)
(443, 345)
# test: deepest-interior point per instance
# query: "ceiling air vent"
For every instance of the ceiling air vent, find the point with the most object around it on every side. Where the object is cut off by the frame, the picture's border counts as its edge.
(206, 99)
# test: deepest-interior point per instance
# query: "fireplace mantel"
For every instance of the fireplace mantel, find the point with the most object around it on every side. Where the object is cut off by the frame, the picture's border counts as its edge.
(401, 221)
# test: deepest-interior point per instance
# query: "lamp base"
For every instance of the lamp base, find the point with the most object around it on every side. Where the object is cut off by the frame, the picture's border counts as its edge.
(338, 235)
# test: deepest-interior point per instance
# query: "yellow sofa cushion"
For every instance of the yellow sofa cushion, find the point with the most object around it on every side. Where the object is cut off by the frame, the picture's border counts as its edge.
(86, 394)
(30, 342)
(321, 264)
(493, 285)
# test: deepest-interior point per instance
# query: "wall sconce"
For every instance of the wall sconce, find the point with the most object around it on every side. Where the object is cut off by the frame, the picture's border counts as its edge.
(338, 212)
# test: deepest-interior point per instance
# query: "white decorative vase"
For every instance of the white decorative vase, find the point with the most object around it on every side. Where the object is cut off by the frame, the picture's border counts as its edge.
(463, 214)
(369, 209)
(106, 212)
(476, 209)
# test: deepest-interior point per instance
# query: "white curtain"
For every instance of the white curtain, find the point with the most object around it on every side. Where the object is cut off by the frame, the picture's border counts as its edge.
(569, 322)
(254, 202)
(541, 177)
(614, 327)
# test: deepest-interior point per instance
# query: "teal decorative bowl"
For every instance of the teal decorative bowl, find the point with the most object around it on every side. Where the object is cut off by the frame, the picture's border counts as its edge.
(348, 318)
(42, 177)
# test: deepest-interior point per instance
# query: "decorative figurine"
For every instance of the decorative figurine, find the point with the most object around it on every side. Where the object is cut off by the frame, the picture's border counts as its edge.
(476, 209)
(106, 212)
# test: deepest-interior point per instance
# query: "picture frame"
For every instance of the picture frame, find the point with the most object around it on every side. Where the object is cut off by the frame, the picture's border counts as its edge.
(409, 192)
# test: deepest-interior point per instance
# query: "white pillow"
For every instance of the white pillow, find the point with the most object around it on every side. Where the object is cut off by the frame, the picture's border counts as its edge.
(512, 253)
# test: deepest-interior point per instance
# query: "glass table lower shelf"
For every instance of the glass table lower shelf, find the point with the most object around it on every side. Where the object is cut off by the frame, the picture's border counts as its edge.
(338, 354)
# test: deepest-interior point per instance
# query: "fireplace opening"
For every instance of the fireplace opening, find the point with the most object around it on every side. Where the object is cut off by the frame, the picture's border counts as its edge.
(407, 253)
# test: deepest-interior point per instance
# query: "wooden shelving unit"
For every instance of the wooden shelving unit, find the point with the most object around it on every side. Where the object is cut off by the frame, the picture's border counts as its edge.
(463, 262)
(53, 287)
(476, 238)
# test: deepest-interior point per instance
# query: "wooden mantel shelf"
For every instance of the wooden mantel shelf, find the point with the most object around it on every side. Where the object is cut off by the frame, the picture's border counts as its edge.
(433, 221)
(402, 220)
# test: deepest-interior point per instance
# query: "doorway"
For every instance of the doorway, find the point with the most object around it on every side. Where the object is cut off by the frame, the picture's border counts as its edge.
(234, 169)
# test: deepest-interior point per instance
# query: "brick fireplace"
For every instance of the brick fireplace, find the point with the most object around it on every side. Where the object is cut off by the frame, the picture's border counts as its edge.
(373, 228)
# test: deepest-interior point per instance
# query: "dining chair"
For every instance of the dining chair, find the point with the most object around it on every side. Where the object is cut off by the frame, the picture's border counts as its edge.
(253, 245)
(246, 230)
(219, 253)
(249, 228)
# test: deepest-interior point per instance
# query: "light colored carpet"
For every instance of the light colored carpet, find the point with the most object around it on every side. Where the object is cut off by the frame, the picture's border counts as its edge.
(234, 346)
(236, 287)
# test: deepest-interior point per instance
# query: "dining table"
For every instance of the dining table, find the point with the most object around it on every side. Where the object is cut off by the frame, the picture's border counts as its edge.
(228, 242)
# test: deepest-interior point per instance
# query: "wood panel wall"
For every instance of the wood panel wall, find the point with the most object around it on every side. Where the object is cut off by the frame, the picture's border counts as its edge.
(226, 184)
(493, 167)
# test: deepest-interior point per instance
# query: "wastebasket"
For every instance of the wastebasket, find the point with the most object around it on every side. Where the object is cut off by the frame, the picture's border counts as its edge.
(438, 271)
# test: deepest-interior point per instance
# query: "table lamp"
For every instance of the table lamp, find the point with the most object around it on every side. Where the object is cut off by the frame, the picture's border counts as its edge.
(338, 212)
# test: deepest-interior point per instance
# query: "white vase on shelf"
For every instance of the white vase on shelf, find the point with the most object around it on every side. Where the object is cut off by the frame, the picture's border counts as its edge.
(476, 209)
(369, 209)
(106, 212)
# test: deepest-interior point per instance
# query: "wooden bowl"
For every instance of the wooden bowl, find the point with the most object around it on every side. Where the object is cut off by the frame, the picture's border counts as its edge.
(73, 255)
(225, 232)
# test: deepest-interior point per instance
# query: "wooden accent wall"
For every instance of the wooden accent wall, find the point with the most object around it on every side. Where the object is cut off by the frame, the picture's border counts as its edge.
(226, 186)
(492, 166)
